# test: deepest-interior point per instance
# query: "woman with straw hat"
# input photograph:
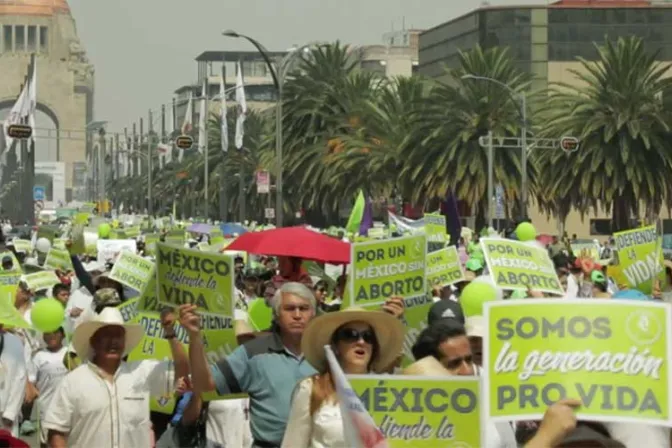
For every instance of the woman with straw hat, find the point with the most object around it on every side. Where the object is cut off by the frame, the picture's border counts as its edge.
(363, 341)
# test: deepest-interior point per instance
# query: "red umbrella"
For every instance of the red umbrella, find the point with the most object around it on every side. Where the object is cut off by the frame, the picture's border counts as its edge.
(294, 242)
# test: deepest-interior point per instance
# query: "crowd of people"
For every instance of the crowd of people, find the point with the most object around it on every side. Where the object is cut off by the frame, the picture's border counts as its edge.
(77, 383)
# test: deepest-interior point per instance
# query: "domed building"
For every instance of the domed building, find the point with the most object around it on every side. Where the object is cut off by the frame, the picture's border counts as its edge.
(65, 85)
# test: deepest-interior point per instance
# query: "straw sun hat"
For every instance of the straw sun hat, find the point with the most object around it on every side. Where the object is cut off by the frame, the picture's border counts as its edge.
(81, 340)
(428, 366)
(388, 329)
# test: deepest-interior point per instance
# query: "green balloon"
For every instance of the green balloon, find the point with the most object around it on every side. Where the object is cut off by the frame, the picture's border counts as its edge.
(260, 314)
(47, 315)
(526, 232)
(104, 230)
(474, 295)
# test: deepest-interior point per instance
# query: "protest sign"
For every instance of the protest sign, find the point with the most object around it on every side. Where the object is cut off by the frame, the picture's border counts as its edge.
(387, 268)
(58, 259)
(41, 280)
(444, 267)
(640, 258)
(109, 250)
(414, 411)
(132, 270)
(590, 250)
(435, 229)
(22, 246)
(175, 237)
(517, 265)
(204, 279)
(610, 354)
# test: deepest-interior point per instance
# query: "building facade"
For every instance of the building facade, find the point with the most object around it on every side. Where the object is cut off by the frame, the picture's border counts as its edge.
(65, 77)
(546, 41)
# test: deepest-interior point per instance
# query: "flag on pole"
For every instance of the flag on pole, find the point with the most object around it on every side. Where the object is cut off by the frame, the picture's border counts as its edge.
(225, 127)
(32, 100)
(170, 128)
(162, 150)
(242, 107)
(18, 112)
(203, 118)
(187, 127)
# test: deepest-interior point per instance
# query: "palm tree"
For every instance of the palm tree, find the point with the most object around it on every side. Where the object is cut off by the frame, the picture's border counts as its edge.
(323, 100)
(616, 110)
(449, 125)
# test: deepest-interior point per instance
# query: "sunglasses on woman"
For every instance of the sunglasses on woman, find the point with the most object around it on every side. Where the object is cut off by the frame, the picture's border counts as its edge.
(351, 335)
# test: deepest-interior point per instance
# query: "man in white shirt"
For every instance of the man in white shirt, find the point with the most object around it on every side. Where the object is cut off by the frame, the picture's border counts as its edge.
(13, 378)
(105, 402)
(46, 370)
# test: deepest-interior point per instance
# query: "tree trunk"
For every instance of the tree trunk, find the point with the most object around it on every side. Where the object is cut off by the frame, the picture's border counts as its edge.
(620, 215)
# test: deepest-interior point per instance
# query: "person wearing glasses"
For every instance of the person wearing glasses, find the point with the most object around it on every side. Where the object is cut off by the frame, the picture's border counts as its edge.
(447, 340)
(362, 341)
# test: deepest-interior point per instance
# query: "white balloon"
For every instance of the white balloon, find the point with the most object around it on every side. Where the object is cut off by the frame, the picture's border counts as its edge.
(487, 279)
(43, 245)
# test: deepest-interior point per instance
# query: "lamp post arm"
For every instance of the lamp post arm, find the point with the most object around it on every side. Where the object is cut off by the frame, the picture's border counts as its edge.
(264, 54)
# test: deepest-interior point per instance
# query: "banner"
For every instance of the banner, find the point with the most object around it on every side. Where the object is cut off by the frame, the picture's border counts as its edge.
(611, 354)
(203, 279)
(444, 268)
(640, 258)
(517, 265)
(58, 259)
(132, 270)
(418, 412)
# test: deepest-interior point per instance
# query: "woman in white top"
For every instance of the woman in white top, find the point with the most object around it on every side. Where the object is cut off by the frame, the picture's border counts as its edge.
(363, 341)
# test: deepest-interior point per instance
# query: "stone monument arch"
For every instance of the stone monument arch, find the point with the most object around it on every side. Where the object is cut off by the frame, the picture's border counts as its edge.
(65, 77)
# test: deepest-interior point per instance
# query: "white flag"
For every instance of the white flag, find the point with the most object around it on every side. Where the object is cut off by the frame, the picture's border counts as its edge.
(242, 108)
(19, 111)
(224, 125)
(186, 125)
(203, 119)
(359, 428)
(162, 149)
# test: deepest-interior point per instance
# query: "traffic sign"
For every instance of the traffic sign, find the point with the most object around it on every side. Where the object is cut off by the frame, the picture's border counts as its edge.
(39, 206)
(569, 144)
(19, 131)
(269, 213)
(184, 142)
(39, 193)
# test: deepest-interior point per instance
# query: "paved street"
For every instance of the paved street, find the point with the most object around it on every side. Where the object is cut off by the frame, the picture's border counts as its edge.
(33, 440)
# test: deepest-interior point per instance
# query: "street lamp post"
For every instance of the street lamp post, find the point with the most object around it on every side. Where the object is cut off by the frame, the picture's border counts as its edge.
(523, 144)
(278, 74)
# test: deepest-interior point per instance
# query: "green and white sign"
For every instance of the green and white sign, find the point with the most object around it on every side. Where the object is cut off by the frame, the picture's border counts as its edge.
(132, 270)
(613, 355)
(640, 257)
(444, 267)
(419, 412)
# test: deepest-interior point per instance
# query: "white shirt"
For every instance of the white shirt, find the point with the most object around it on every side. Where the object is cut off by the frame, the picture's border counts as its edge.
(13, 377)
(228, 424)
(324, 429)
(95, 412)
(46, 370)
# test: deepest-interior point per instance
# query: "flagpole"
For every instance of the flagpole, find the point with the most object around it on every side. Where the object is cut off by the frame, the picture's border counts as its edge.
(149, 164)
(206, 149)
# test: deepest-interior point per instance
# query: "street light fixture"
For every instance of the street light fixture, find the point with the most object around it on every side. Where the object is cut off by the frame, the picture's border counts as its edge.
(278, 73)
(523, 143)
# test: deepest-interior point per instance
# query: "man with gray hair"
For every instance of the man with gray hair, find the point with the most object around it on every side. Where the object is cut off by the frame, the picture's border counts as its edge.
(266, 368)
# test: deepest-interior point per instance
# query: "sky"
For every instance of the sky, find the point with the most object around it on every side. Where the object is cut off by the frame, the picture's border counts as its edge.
(143, 50)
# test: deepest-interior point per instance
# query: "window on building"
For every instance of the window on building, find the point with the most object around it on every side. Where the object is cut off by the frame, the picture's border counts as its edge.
(20, 38)
(7, 38)
(373, 66)
(31, 38)
(44, 39)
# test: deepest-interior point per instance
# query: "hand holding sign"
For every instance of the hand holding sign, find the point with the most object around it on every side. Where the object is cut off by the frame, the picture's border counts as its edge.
(189, 319)
(559, 420)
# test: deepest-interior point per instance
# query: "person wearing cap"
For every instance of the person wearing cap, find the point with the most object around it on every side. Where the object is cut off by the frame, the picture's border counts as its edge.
(362, 342)
(445, 309)
(105, 402)
(599, 282)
